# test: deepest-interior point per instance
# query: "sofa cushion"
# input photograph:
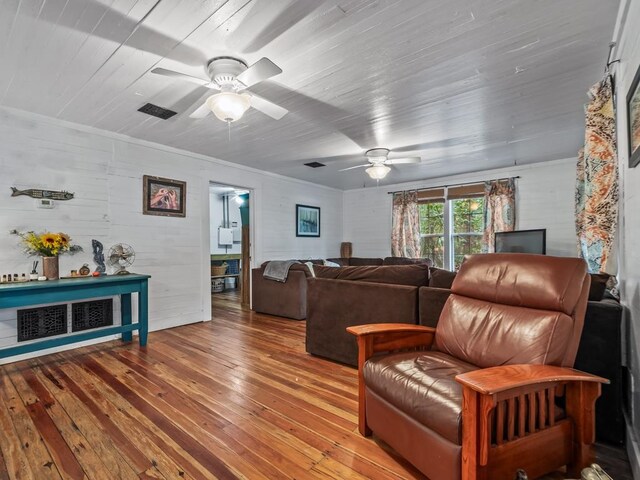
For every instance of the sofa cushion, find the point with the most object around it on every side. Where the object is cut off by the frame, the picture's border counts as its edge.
(440, 278)
(423, 386)
(598, 286)
(360, 261)
(406, 261)
(416, 275)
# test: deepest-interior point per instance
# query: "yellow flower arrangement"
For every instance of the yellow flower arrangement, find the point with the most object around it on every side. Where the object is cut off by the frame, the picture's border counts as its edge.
(47, 244)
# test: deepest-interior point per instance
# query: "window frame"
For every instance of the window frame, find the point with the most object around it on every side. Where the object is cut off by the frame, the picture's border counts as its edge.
(448, 230)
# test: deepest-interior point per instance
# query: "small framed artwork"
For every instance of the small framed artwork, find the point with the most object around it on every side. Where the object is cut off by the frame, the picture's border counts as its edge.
(163, 196)
(307, 221)
(633, 119)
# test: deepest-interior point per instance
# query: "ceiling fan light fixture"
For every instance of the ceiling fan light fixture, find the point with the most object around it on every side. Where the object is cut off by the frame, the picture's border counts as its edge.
(229, 106)
(378, 172)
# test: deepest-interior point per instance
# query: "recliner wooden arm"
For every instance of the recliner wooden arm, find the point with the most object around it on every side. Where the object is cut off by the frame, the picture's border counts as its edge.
(385, 337)
(493, 380)
(514, 405)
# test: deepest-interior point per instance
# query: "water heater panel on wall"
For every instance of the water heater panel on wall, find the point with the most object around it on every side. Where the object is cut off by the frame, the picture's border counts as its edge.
(225, 236)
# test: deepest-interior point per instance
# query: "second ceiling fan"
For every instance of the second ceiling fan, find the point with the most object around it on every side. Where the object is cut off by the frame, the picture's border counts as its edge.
(231, 76)
(379, 162)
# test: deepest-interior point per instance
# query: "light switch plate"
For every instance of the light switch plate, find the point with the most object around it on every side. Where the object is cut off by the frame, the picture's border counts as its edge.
(45, 203)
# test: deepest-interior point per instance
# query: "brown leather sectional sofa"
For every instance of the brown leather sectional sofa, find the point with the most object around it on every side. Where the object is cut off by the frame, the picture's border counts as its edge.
(289, 299)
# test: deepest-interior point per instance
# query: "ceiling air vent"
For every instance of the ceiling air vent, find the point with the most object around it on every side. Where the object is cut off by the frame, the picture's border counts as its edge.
(315, 164)
(156, 111)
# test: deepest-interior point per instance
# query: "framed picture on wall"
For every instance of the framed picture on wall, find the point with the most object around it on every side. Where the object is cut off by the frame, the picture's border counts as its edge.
(633, 119)
(307, 221)
(163, 196)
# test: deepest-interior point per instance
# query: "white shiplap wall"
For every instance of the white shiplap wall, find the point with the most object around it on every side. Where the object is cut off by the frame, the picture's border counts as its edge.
(629, 227)
(105, 172)
(544, 200)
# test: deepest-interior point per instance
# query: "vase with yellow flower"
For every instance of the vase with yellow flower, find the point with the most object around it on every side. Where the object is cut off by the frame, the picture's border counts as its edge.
(49, 246)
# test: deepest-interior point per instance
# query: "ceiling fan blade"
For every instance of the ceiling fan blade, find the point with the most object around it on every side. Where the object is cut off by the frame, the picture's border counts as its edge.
(200, 112)
(357, 166)
(182, 76)
(398, 161)
(268, 108)
(258, 72)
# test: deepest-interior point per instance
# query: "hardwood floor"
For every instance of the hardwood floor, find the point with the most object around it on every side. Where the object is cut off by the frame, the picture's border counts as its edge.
(233, 398)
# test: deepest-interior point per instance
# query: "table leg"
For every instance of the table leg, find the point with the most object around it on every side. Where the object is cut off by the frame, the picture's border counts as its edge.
(143, 312)
(125, 310)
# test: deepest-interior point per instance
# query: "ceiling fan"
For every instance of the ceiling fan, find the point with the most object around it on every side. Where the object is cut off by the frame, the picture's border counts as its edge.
(379, 162)
(231, 76)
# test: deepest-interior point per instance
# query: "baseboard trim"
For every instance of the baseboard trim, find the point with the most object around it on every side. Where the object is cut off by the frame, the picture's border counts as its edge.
(633, 449)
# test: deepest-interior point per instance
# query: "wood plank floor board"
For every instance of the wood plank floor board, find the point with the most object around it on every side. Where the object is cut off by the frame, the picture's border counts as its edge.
(246, 416)
(169, 458)
(188, 410)
(237, 397)
(30, 434)
(280, 387)
(105, 423)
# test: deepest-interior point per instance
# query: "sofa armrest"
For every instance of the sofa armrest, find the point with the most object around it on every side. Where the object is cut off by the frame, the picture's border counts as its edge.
(431, 301)
(285, 299)
(333, 305)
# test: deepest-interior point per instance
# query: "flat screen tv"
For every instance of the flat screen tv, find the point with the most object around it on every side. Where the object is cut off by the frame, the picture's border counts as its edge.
(522, 241)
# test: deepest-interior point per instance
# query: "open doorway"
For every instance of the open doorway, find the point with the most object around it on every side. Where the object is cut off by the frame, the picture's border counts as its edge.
(230, 245)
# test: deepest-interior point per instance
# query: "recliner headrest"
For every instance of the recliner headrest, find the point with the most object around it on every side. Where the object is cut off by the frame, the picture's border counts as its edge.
(524, 280)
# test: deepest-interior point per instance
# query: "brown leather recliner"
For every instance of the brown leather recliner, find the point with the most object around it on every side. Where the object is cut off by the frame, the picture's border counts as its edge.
(489, 390)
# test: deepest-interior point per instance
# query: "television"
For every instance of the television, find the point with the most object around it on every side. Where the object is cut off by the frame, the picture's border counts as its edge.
(522, 241)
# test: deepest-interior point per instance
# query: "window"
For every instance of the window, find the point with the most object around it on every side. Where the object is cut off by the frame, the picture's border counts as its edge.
(432, 231)
(468, 226)
(451, 228)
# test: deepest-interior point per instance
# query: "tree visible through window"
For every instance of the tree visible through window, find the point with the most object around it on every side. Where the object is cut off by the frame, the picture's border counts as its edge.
(432, 231)
(448, 234)
(468, 224)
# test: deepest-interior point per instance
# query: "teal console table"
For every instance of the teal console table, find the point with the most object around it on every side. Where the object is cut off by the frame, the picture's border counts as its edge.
(14, 295)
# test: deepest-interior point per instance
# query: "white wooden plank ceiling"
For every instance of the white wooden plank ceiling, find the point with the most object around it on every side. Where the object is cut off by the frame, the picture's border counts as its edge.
(466, 84)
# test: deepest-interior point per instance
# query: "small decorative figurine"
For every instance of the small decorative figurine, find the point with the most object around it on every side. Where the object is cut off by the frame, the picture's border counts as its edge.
(98, 256)
(84, 270)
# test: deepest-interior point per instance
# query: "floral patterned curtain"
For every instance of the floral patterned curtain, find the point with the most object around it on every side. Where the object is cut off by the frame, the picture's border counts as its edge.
(405, 234)
(499, 210)
(597, 179)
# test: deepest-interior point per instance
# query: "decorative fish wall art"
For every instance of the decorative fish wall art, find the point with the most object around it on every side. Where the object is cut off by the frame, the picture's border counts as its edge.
(38, 193)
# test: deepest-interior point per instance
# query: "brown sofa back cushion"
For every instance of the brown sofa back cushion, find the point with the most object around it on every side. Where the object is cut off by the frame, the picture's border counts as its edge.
(515, 308)
(355, 261)
(439, 278)
(598, 286)
(361, 261)
(415, 275)
(406, 261)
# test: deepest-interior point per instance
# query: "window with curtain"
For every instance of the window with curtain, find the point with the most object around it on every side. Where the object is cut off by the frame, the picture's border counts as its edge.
(451, 224)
